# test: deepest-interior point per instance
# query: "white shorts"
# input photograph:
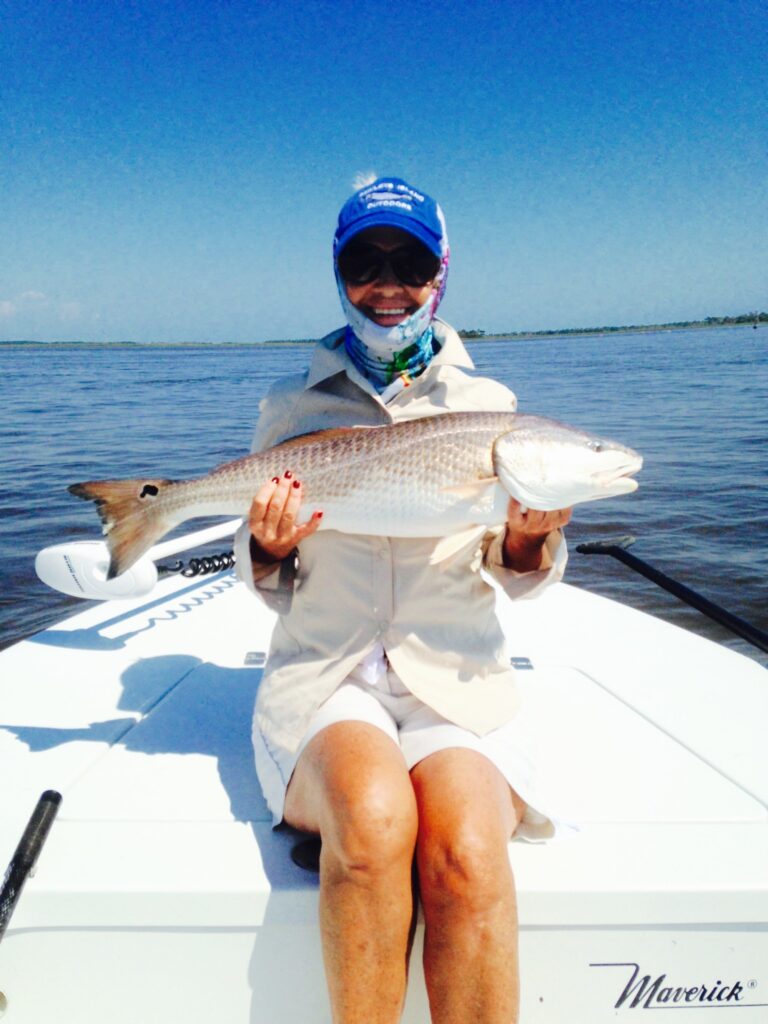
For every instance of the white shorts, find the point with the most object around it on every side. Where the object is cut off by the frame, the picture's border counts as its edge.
(418, 731)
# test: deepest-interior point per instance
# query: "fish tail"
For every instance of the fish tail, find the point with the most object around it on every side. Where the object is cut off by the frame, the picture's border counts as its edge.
(131, 517)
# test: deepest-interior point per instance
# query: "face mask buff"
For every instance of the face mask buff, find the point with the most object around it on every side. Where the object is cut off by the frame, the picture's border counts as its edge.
(383, 354)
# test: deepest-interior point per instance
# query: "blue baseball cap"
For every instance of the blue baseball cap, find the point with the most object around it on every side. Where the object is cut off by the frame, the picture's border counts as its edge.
(392, 202)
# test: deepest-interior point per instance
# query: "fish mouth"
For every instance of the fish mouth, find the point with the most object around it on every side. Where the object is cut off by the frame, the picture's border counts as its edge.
(618, 479)
(621, 485)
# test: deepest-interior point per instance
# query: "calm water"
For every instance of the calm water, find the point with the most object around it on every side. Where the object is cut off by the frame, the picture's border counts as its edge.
(694, 403)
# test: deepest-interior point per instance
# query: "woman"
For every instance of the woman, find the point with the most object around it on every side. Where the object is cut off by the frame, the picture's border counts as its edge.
(385, 721)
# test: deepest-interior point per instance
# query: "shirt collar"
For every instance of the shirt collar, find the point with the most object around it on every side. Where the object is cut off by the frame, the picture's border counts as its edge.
(330, 357)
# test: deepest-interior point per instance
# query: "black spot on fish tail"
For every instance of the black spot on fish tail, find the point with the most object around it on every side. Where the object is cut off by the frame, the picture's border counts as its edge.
(131, 518)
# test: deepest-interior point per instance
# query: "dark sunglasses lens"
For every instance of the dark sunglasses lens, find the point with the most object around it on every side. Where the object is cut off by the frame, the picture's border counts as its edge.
(360, 264)
(413, 265)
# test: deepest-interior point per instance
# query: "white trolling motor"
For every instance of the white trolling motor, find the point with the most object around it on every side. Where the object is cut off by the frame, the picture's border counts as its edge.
(80, 567)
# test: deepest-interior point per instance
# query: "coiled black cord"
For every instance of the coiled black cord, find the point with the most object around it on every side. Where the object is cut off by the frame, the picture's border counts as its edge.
(205, 565)
(209, 563)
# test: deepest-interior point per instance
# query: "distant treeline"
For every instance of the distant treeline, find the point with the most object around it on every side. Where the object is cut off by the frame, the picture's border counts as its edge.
(745, 319)
(710, 321)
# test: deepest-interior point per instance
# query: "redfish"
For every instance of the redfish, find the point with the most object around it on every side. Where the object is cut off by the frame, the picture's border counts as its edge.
(427, 477)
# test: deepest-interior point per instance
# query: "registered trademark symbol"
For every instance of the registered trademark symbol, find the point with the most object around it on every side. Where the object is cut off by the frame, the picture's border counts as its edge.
(752, 983)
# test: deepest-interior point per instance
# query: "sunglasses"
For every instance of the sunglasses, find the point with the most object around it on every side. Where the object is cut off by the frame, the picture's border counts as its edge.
(413, 265)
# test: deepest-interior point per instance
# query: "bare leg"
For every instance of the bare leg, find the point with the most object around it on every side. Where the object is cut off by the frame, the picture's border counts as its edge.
(351, 787)
(467, 813)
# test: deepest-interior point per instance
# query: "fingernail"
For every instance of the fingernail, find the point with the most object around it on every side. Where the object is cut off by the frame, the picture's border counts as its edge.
(318, 515)
(288, 474)
(296, 483)
(275, 479)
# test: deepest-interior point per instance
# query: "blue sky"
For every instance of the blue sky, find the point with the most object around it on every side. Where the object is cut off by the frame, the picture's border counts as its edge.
(172, 171)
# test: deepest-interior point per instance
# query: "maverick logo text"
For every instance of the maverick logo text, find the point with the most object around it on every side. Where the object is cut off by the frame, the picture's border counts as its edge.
(652, 993)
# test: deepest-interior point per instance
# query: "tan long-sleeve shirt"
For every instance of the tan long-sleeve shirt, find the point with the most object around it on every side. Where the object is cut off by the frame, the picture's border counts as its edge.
(348, 593)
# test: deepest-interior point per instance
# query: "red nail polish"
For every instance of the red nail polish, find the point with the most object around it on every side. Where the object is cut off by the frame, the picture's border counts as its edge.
(318, 515)
(296, 483)
(275, 479)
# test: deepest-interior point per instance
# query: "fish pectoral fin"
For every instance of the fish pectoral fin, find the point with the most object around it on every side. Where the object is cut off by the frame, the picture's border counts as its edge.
(472, 489)
(446, 547)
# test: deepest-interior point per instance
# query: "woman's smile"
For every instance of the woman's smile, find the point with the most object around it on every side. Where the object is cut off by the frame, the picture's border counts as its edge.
(387, 315)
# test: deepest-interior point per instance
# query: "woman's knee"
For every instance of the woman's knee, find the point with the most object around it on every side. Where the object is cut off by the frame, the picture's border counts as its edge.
(351, 786)
(371, 826)
(366, 807)
(463, 867)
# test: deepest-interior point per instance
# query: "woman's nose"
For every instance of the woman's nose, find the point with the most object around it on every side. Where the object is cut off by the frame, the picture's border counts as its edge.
(386, 277)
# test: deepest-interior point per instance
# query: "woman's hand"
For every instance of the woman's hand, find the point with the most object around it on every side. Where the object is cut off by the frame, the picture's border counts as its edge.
(272, 519)
(527, 530)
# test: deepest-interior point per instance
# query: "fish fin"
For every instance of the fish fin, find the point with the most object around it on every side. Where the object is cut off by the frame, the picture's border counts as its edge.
(321, 435)
(129, 515)
(446, 547)
(471, 489)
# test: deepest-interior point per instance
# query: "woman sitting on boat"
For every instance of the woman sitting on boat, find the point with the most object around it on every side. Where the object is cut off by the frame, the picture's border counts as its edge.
(385, 720)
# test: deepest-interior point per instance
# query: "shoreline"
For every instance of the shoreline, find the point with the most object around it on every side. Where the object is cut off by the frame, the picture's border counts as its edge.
(599, 332)
(469, 337)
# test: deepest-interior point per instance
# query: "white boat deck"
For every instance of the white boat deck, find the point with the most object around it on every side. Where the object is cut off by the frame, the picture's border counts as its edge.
(163, 893)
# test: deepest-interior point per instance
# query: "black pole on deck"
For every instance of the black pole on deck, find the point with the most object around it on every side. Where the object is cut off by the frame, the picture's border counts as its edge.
(24, 859)
(618, 549)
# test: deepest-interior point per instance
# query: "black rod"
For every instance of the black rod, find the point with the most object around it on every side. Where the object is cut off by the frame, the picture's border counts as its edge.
(24, 859)
(618, 549)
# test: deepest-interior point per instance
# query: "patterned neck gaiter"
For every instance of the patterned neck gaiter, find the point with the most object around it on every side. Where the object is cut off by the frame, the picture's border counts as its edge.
(385, 365)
